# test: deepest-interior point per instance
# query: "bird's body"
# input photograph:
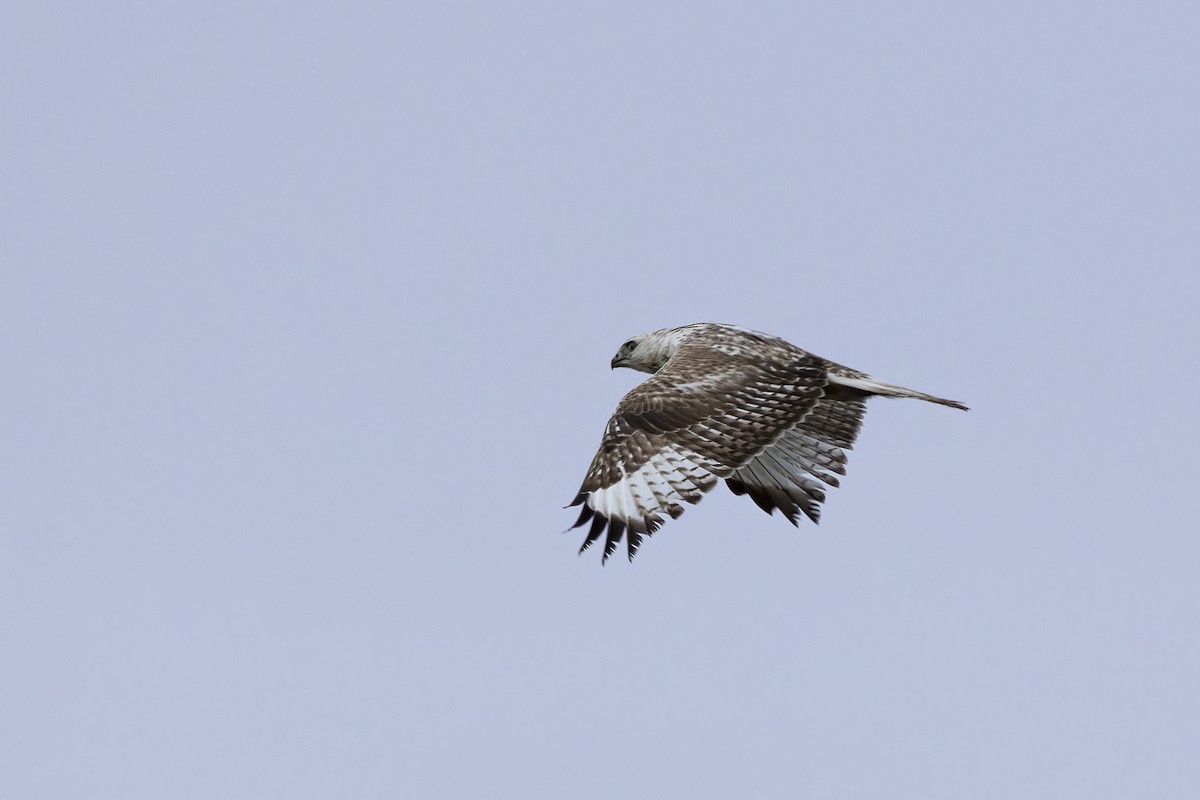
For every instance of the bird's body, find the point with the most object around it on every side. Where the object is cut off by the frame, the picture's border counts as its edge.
(772, 420)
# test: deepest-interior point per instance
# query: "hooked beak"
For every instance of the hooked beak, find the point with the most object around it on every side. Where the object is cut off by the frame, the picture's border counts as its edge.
(615, 360)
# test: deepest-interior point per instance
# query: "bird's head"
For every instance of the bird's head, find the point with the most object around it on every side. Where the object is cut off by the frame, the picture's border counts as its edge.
(647, 352)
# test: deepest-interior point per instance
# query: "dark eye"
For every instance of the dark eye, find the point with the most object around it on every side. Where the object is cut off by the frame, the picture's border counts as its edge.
(629, 345)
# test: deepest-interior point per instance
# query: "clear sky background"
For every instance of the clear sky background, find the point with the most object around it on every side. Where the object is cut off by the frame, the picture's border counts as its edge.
(306, 315)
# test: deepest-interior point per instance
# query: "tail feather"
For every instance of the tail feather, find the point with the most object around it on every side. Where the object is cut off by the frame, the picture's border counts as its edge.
(869, 385)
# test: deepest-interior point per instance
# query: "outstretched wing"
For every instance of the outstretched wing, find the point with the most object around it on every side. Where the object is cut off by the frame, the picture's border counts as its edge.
(700, 418)
(792, 472)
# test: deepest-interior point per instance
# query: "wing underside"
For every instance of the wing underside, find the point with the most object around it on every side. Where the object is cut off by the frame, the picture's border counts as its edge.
(792, 473)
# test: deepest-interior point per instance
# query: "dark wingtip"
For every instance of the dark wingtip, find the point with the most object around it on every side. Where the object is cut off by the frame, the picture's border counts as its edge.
(593, 534)
(579, 498)
(639, 529)
(634, 531)
(616, 529)
(633, 543)
(761, 499)
(585, 514)
(791, 502)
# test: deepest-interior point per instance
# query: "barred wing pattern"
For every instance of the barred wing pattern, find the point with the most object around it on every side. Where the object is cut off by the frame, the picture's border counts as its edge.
(711, 412)
(789, 473)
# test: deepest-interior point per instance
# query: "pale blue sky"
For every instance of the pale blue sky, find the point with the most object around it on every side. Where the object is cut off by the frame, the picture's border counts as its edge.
(305, 321)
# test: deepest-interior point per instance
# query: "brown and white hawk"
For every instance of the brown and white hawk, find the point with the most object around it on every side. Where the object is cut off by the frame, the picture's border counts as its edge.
(772, 420)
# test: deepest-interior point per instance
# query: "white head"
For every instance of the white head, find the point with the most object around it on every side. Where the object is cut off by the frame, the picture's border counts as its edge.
(648, 352)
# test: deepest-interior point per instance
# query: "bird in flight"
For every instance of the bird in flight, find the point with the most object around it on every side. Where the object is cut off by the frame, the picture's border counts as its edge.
(772, 420)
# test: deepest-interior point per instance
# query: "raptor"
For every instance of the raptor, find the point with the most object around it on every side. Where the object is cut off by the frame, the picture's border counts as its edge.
(773, 421)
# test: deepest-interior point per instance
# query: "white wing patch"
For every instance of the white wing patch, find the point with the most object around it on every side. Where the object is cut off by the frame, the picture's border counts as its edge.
(673, 476)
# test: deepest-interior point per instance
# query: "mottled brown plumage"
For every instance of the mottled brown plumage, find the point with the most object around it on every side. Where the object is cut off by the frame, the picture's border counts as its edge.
(771, 419)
